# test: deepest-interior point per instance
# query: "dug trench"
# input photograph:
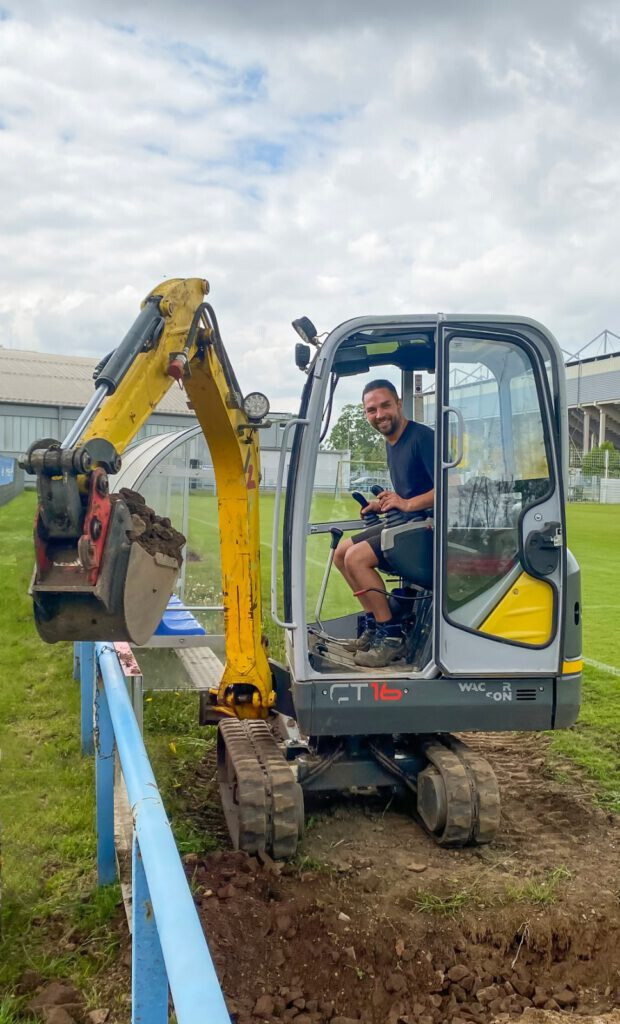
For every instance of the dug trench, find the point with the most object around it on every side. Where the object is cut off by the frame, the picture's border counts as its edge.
(373, 923)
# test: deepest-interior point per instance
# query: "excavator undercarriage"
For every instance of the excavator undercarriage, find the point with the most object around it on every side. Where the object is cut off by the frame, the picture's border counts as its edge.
(453, 789)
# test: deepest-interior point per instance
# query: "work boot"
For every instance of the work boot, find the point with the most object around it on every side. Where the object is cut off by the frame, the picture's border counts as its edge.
(387, 645)
(364, 640)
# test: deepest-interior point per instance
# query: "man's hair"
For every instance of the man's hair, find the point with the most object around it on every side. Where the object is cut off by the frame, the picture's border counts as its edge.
(374, 384)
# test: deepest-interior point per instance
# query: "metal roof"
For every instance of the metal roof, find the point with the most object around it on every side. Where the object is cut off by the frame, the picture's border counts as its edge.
(38, 378)
(573, 361)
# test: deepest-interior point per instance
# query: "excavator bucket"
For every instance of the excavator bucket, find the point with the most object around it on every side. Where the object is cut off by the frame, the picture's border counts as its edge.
(111, 579)
(129, 610)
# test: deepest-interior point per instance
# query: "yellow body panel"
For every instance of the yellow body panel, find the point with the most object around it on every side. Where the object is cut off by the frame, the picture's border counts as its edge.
(524, 614)
(232, 442)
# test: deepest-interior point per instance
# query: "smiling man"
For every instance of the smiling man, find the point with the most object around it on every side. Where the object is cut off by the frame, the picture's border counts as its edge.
(410, 457)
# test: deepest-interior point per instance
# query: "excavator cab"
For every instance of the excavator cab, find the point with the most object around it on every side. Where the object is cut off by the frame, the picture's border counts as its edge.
(486, 586)
(487, 592)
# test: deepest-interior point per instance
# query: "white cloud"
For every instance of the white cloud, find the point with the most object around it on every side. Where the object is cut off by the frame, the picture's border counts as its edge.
(332, 161)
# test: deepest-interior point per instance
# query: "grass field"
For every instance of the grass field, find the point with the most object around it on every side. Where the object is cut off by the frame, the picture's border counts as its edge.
(594, 743)
(47, 788)
(55, 920)
(202, 577)
(46, 791)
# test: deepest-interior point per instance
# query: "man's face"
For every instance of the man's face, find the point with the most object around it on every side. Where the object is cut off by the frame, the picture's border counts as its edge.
(383, 411)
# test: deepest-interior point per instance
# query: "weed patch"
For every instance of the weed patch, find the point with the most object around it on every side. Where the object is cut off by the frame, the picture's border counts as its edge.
(447, 905)
(541, 892)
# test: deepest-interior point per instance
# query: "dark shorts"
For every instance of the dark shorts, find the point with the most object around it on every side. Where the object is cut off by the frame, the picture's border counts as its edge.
(372, 535)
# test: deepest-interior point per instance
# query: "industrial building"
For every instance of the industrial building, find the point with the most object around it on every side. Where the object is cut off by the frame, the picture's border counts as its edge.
(41, 395)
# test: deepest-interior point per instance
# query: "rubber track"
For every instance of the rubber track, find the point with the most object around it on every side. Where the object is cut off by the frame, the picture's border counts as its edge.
(459, 825)
(262, 811)
(473, 801)
(280, 791)
(487, 799)
(243, 795)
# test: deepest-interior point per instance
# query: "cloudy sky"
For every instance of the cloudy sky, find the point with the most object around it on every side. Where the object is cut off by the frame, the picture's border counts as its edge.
(333, 159)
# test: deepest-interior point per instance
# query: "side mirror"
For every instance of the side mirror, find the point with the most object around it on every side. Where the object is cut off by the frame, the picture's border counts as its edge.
(302, 355)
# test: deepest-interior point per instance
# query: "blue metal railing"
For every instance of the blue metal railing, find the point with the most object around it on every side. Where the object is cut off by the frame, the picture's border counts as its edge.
(168, 944)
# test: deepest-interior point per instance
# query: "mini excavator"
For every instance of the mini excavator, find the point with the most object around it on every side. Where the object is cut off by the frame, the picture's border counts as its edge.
(487, 592)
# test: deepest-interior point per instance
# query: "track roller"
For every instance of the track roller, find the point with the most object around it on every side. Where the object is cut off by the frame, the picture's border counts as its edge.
(262, 801)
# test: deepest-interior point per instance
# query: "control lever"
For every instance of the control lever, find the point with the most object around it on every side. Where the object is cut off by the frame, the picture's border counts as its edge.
(372, 519)
(394, 517)
(336, 535)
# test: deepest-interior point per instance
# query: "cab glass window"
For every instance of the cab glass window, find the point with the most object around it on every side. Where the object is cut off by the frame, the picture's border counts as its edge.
(503, 469)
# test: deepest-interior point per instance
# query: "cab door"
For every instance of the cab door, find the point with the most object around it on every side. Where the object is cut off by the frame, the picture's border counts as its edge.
(500, 557)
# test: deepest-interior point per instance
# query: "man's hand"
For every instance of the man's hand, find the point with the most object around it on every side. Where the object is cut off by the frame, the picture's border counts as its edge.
(372, 506)
(389, 499)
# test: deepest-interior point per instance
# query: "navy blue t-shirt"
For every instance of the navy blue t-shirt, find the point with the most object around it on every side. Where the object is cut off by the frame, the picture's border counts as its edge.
(411, 461)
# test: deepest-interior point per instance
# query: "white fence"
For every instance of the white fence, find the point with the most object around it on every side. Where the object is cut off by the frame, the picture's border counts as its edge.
(594, 476)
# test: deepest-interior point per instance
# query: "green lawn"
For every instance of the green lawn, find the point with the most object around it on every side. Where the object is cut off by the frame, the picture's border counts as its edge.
(46, 793)
(55, 919)
(47, 788)
(593, 533)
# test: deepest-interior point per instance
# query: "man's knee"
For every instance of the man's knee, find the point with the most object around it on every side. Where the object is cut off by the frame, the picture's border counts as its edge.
(341, 552)
(360, 556)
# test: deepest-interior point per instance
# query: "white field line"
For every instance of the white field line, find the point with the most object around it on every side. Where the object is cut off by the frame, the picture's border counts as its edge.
(613, 671)
(263, 543)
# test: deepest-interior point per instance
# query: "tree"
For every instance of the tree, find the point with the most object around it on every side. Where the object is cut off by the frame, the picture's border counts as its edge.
(594, 462)
(353, 431)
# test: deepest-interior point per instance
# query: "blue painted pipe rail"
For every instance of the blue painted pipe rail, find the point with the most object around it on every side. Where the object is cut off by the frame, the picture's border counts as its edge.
(168, 943)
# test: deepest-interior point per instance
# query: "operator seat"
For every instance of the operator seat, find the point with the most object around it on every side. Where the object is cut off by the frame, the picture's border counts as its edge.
(408, 549)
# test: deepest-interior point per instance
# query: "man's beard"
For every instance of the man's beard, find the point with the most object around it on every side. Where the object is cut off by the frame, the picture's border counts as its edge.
(389, 426)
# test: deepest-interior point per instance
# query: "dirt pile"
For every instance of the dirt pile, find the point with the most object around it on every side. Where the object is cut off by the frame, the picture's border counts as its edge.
(154, 533)
(311, 947)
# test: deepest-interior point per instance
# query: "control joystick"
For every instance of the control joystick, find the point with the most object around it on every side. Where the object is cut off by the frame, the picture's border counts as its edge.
(394, 517)
(372, 519)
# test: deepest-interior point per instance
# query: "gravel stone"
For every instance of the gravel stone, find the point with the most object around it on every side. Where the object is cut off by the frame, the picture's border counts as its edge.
(458, 972)
(264, 1006)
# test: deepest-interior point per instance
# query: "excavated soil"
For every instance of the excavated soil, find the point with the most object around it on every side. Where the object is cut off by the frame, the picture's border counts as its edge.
(154, 533)
(373, 923)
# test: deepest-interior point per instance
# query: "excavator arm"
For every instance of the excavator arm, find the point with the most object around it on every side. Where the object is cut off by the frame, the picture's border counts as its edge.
(105, 569)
